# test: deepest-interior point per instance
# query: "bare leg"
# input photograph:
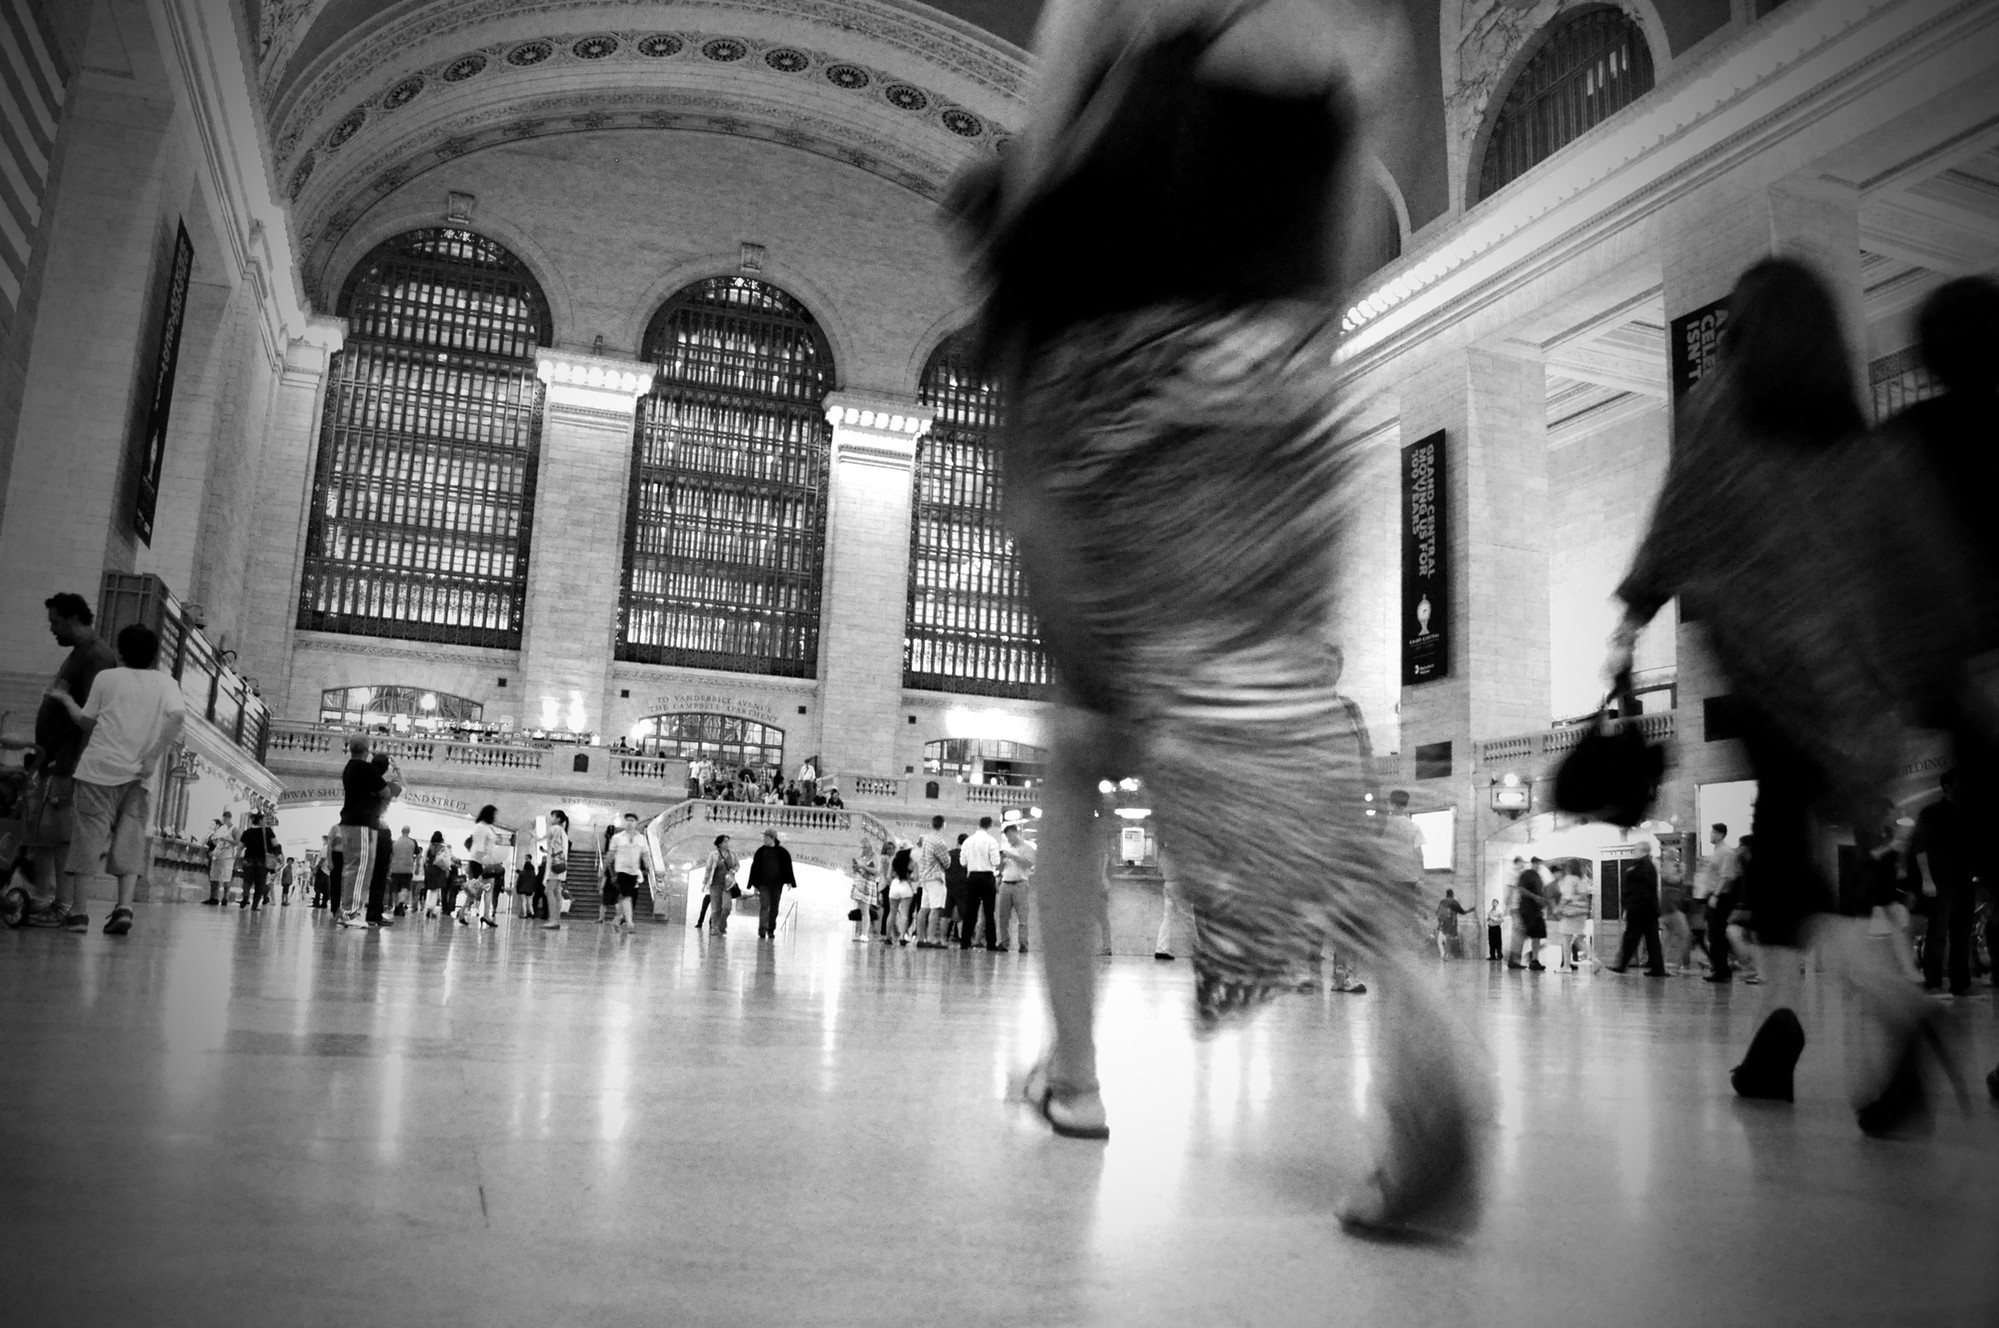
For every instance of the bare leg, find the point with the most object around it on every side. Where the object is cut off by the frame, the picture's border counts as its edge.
(1069, 886)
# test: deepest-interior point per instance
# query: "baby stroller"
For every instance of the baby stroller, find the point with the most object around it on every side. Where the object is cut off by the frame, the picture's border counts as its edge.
(25, 802)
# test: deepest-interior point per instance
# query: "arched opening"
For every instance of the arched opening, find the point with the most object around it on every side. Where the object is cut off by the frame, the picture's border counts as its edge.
(725, 534)
(398, 707)
(985, 761)
(727, 742)
(1592, 64)
(968, 628)
(423, 495)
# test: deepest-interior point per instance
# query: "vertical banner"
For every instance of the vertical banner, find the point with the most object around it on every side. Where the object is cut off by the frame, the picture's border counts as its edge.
(1426, 571)
(152, 448)
(1696, 346)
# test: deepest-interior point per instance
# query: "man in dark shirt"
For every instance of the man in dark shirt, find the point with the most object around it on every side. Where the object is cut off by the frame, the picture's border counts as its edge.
(1639, 894)
(59, 736)
(1943, 847)
(260, 851)
(363, 786)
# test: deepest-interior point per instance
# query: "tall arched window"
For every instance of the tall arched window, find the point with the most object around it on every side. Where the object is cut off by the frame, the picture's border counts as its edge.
(725, 532)
(423, 498)
(968, 628)
(731, 742)
(424, 707)
(1593, 64)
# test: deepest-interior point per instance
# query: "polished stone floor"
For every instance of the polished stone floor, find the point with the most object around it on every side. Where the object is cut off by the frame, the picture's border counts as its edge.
(255, 1119)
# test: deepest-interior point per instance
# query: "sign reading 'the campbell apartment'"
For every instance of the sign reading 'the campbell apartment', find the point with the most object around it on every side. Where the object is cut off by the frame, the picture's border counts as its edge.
(1426, 569)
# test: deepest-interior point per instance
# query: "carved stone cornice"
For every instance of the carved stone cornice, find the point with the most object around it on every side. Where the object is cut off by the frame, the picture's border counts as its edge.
(591, 390)
(875, 430)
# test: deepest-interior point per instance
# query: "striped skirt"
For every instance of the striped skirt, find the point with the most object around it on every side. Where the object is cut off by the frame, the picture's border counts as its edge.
(1179, 483)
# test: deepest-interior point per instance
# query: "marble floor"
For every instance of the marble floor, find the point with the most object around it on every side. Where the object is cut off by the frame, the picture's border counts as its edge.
(254, 1119)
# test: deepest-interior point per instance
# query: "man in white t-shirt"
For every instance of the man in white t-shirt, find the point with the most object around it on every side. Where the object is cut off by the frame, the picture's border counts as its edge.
(134, 714)
(626, 864)
(1015, 897)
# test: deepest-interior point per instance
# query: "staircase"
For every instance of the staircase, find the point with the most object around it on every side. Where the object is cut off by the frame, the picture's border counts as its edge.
(586, 889)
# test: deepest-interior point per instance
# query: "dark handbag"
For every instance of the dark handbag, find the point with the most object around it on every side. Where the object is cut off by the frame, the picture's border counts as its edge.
(735, 892)
(1612, 774)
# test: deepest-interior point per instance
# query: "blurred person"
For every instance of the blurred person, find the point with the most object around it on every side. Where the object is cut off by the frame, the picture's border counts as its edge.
(437, 861)
(1529, 906)
(134, 715)
(1945, 849)
(1573, 907)
(1674, 929)
(482, 869)
(1178, 477)
(1721, 879)
(365, 790)
(1772, 526)
(1449, 910)
(1638, 897)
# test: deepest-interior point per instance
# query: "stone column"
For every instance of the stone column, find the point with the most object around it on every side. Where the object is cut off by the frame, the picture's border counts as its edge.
(284, 492)
(867, 579)
(575, 557)
(1493, 410)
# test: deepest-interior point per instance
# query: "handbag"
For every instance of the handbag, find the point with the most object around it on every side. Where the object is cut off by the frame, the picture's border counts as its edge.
(1611, 775)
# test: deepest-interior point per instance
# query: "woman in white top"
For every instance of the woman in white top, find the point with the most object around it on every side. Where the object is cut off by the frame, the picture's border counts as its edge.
(489, 857)
(556, 870)
(901, 894)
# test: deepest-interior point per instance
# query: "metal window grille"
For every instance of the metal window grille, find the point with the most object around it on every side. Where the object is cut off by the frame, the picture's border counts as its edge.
(730, 742)
(1592, 66)
(968, 627)
(725, 532)
(1899, 381)
(379, 705)
(423, 497)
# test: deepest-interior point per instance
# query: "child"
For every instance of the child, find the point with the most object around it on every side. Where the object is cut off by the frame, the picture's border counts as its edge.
(134, 714)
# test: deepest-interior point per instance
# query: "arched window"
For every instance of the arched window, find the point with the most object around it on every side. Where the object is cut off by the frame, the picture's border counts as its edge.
(421, 707)
(730, 742)
(1593, 64)
(423, 497)
(984, 761)
(725, 533)
(968, 627)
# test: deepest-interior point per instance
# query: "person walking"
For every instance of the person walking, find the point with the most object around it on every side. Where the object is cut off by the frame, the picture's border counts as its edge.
(260, 850)
(402, 871)
(223, 850)
(134, 714)
(1945, 849)
(1786, 526)
(1180, 477)
(46, 826)
(1016, 896)
(482, 872)
(628, 862)
(1720, 878)
(1449, 910)
(437, 863)
(1573, 907)
(980, 854)
(555, 876)
(1638, 893)
(1529, 907)
(770, 873)
(719, 874)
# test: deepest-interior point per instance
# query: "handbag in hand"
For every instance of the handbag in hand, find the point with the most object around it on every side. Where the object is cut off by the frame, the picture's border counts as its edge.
(1612, 774)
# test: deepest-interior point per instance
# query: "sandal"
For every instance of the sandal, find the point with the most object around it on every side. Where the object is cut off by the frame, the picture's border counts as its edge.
(1063, 1115)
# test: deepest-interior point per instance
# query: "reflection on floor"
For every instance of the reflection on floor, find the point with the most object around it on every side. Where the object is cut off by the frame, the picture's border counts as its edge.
(252, 1119)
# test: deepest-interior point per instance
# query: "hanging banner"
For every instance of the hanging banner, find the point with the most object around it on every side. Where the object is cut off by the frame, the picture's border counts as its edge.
(1426, 597)
(158, 389)
(1695, 346)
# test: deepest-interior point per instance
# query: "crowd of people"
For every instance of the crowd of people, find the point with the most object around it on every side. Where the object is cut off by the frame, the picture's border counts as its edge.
(765, 785)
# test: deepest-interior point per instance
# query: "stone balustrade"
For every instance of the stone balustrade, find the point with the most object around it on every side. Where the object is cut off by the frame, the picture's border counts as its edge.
(1528, 748)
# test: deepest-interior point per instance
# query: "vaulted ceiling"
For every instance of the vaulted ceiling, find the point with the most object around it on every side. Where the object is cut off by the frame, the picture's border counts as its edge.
(363, 96)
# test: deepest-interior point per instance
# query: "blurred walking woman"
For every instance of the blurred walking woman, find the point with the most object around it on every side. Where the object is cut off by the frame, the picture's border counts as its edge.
(1774, 528)
(1177, 475)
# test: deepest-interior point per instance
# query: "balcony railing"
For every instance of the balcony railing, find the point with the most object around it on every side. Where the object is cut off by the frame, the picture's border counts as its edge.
(212, 689)
(1555, 742)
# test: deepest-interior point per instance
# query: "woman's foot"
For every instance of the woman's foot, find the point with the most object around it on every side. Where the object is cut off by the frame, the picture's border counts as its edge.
(1773, 1054)
(1073, 1116)
(1425, 1186)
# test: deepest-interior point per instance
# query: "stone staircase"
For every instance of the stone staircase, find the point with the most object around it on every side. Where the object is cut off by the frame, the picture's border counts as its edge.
(586, 889)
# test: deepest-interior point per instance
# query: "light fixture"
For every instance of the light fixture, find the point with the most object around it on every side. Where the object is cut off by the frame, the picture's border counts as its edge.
(1105, 786)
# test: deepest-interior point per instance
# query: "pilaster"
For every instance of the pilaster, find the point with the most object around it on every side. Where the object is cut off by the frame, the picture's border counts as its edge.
(589, 417)
(867, 578)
